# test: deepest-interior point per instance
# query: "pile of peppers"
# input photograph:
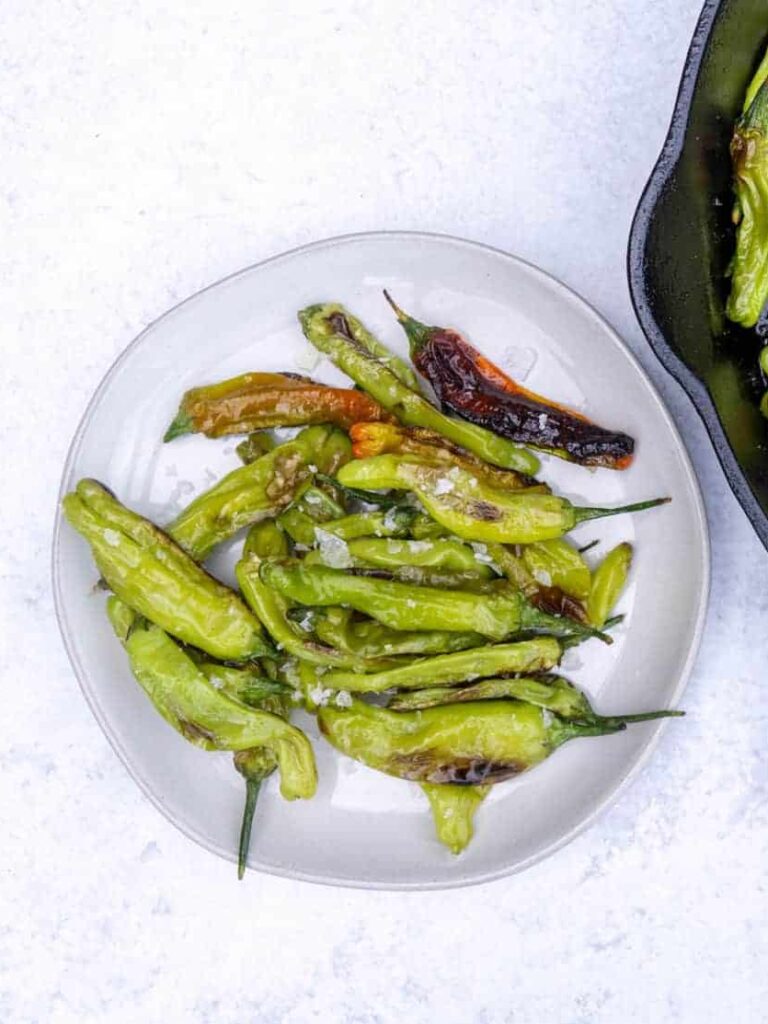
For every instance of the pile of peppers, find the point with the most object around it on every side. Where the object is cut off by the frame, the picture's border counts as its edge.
(403, 575)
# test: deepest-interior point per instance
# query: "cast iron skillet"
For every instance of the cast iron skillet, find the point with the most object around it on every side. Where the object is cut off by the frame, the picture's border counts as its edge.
(681, 242)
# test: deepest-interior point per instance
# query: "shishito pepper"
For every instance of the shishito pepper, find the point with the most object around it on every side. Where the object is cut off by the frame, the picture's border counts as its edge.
(607, 584)
(203, 714)
(258, 443)
(548, 597)
(474, 510)
(453, 812)
(395, 522)
(469, 385)
(552, 692)
(749, 266)
(255, 401)
(266, 540)
(535, 655)
(468, 744)
(271, 608)
(370, 639)
(498, 613)
(152, 575)
(256, 764)
(556, 563)
(258, 490)
(441, 553)
(324, 326)
(391, 439)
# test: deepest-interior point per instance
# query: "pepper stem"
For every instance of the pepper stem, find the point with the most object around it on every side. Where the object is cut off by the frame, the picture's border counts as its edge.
(561, 626)
(182, 424)
(582, 514)
(252, 787)
(416, 332)
(601, 725)
(645, 716)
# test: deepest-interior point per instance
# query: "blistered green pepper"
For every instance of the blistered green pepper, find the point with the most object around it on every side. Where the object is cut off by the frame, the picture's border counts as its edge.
(549, 598)
(258, 490)
(474, 510)
(311, 508)
(453, 812)
(475, 579)
(266, 540)
(749, 266)
(395, 522)
(350, 327)
(370, 639)
(203, 714)
(272, 609)
(535, 655)
(480, 743)
(607, 584)
(497, 614)
(328, 328)
(442, 553)
(160, 581)
(258, 443)
(553, 692)
(556, 563)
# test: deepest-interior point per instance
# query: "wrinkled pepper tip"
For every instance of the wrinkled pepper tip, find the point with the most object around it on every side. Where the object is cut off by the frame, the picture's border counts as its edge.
(182, 424)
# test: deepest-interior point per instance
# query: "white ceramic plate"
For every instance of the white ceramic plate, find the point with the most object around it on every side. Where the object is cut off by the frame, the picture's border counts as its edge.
(363, 828)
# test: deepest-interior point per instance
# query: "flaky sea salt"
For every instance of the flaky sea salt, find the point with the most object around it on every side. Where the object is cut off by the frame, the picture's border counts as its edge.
(390, 518)
(112, 537)
(334, 551)
(343, 699)
(320, 695)
(444, 485)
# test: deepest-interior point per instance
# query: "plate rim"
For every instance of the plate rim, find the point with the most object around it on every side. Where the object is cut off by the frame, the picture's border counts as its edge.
(429, 884)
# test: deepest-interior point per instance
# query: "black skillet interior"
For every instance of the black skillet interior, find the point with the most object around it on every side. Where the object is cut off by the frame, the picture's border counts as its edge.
(682, 240)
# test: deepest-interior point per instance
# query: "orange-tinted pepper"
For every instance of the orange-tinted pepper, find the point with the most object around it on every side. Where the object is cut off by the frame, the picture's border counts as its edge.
(255, 401)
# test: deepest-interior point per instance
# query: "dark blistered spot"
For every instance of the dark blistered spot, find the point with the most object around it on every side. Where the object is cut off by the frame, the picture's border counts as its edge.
(486, 511)
(426, 766)
(554, 601)
(340, 324)
(194, 732)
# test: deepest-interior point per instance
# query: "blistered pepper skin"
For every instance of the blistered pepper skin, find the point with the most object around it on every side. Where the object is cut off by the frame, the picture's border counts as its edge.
(152, 575)
(462, 744)
(537, 655)
(453, 812)
(469, 385)
(203, 714)
(481, 742)
(498, 612)
(608, 581)
(324, 326)
(258, 490)
(472, 509)
(258, 401)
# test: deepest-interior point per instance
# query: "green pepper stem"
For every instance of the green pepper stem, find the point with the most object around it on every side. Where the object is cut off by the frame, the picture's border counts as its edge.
(620, 721)
(182, 424)
(416, 332)
(560, 626)
(601, 725)
(252, 787)
(583, 514)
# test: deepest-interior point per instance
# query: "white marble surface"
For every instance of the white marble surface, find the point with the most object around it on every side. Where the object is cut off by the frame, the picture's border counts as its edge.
(151, 149)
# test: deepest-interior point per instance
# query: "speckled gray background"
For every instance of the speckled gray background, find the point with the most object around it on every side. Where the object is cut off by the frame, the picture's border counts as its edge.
(148, 150)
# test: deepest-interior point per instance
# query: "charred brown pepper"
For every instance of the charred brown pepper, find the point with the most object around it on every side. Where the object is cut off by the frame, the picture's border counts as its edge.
(471, 386)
